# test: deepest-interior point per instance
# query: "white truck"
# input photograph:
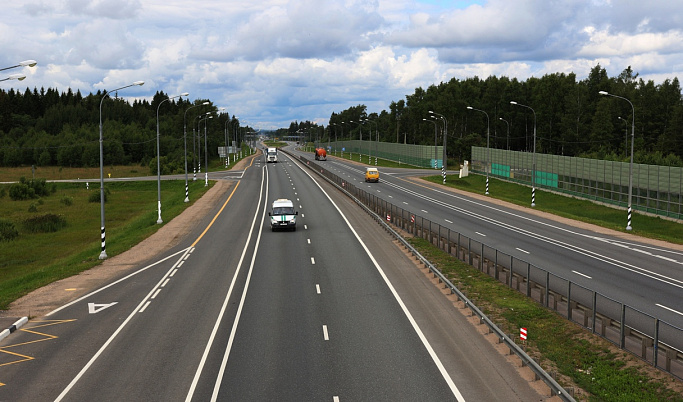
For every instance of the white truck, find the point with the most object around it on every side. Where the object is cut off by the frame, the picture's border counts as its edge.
(271, 155)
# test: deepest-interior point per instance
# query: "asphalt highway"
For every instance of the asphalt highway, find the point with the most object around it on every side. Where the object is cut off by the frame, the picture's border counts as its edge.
(331, 311)
(623, 268)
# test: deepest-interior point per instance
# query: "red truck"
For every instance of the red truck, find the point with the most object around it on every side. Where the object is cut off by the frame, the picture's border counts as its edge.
(320, 154)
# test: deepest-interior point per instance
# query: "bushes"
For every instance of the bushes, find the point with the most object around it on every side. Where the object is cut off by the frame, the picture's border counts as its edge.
(7, 230)
(30, 189)
(95, 195)
(67, 200)
(44, 223)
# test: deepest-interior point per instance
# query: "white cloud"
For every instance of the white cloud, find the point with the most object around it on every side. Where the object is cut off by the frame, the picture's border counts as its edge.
(275, 61)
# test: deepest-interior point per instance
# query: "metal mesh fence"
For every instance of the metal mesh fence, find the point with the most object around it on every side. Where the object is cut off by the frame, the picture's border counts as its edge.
(414, 155)
(656, 189)
(658, 342)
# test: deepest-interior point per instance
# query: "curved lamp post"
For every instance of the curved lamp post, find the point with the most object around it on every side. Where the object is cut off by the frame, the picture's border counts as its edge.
(25, 63)
(508, 136)
(159, 220)
(435, 148)
(630, 166)
(445, 136)
(488, 149)
(18, 77)
(206, 151)
(533, 162)
(103, 253)
(187, 189)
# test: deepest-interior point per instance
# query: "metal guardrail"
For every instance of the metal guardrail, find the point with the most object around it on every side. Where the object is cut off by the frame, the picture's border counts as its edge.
(526, 360)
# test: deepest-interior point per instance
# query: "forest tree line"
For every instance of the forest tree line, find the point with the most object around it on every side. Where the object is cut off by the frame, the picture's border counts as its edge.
(48, 128)
(572, 118)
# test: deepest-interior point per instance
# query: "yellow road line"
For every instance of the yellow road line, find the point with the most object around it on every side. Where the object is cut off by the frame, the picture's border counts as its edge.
(216, 217)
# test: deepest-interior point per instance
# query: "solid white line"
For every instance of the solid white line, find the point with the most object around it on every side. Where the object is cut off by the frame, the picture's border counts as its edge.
(120, 328)
(226, 355)
(446, 376)
(312, 261)
(325, 334)
(187, 250)
(584, 275)
(156, 293)
(524, 251)
(142, 310)
(198, 373)
(317, 288)
(670, 309)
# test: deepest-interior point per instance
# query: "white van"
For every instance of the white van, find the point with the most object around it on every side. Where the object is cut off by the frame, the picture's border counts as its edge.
(283, 215)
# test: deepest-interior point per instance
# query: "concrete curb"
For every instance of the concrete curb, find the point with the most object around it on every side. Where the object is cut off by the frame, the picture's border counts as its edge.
(5, 333)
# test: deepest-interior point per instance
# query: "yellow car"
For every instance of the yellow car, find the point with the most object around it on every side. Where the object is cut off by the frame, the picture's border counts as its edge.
(372, 174)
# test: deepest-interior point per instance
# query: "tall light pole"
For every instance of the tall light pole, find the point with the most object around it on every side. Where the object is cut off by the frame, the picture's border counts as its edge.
(103, 253)
(508, 136)
(159, 220)
(445, 136)
(630, 166)
(227, 154)
(206, 151)
(187, 188)
(533, 162)
(488, 164)
(436, 166)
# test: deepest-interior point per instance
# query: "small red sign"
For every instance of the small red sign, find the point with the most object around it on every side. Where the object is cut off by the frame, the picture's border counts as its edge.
(522, 334)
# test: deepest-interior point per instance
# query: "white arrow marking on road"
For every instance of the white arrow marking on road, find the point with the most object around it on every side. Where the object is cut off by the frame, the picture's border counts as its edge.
(96, 308)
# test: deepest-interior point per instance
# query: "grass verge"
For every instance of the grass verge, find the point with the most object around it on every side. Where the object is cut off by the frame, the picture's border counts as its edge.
(583, 360)
(33, 260)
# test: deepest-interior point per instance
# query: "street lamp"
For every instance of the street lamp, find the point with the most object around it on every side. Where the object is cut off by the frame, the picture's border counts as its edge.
(508, 137)
(445, 136)
(18, 77)
(435, 148)
(206, 151)
(103, 253)
(187, 189)
(227, 154)
(159, 221)
(630, 166)
(533, 162)
(25, 63)
(488, 149)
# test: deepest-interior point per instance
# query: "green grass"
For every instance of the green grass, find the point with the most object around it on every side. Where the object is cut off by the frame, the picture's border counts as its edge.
(33, 260)
(568, 207)
(591, 363)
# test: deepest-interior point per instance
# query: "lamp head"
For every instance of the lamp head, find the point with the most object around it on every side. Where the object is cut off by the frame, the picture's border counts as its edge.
(513, 102)
(470, 108)
(184, 94)
(28, 63)
(139, 83)
(206, 103)
(603, 93)
(18, 77)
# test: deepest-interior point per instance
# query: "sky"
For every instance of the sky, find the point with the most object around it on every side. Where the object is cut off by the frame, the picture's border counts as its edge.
(271, 62)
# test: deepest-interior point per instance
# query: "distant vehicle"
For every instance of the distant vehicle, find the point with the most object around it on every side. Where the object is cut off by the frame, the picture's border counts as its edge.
(371, 174)
(271, 155)
(283, 215)
(320, 154)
